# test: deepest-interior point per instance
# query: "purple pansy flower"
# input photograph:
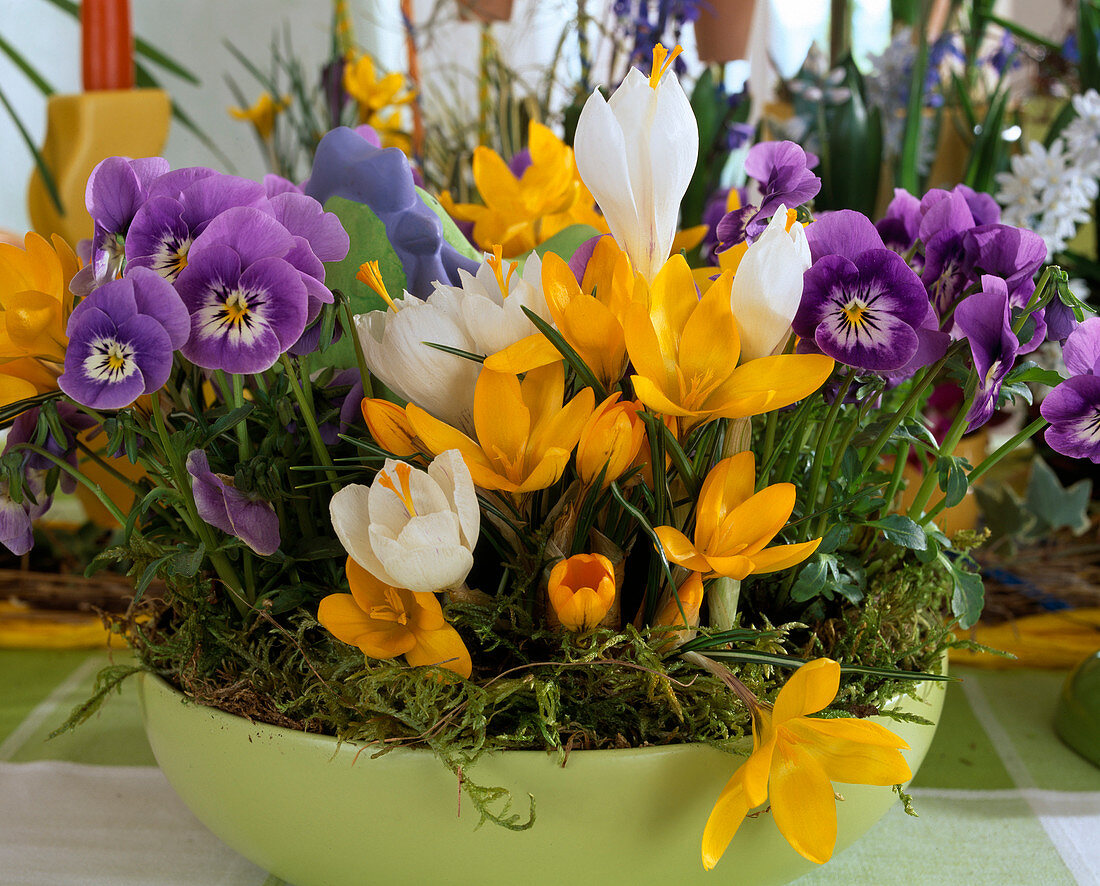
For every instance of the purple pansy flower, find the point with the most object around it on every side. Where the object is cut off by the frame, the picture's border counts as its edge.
(1073, 408)
(121, 340)
(247, 302)
(116, 190)
(985, 319)
(72, 421)
(224, 507)
(782, 169)
(861, 303)
(945, 219)
(164, 228)
(901, 223)
(276, 184)
(16, 517)
(1081, 352)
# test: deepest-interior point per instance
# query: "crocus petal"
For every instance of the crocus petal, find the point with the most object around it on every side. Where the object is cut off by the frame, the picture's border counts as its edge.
(779, 557)
(679, 550)
(724, 821)
(803, 803)
(846, 757)
(349, 510)
(443, 648)
(347, 622)
(808, 691)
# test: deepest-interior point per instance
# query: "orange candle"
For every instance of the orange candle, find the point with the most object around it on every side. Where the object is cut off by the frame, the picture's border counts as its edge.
(108, 44)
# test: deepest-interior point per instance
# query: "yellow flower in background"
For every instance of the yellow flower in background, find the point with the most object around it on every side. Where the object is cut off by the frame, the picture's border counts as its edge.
(685, 351)
(262, 114)
(794, 761)
(581, 590)
(734, 523)
(524, 434)
(374, 93)
(389, 427)
(35, 304)
(589, 316)
(519, 212)
(385, 622)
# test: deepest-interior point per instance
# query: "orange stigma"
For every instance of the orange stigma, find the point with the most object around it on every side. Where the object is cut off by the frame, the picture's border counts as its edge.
(370, 274)
(497, 264)
(404, 472)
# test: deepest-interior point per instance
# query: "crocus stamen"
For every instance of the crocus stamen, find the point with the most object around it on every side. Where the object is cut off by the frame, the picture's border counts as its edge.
(662, 61)
(497, 264)
(403, 472)
(110, 360)
(392, 610)
(370, 274)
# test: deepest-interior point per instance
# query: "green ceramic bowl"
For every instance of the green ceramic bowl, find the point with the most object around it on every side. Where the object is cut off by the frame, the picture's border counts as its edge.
(319, 813)
(1077, 718)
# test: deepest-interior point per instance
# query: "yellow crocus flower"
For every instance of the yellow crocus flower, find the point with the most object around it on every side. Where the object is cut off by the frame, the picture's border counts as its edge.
(374, 94)
(794, 761)
(385, 622)
(589, 316)
(685, 350)
(581, 590)
(35, 304)
(733, 525)
(524, 434)
(262, 114)
(521, 212)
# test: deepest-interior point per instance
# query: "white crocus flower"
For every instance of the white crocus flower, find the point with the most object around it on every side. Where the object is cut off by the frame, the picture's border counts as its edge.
(491, 302)
(636, 153)
(412, 529)
(476, 317)
(395, 351)
(768, 286)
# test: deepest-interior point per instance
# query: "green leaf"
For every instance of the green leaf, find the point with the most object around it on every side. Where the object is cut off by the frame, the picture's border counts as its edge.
(369, 243)
(952, 475)
(1055, 505)
(902, 531)
(158, 58)
(39, 160)
(969, 594)
(567, 241)
(908, 176)
(1032, 373)
(229, 421)
(790, 661)
(40, 82)
(811, 580)
(1088, 23)
(837, 535)
(451, 233)
(457, 352)
(1024, 34)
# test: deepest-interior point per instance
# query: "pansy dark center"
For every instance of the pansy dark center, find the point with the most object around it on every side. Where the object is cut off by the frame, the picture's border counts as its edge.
(854, 312)
(110, 360)
(171, 258)
(236, 311)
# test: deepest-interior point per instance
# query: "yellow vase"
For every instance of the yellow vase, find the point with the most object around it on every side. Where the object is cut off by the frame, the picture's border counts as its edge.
(82, 130)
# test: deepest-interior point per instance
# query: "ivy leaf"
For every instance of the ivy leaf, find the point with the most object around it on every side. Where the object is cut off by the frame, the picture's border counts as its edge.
(812, 578)
(952, 475)
(969, 594)
(902, 531)
(1055, 505)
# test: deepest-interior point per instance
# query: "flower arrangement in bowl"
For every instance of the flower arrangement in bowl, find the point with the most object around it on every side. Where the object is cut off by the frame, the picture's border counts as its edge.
(585, 500)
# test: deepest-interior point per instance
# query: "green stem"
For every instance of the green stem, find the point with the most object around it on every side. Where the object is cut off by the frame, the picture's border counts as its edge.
(182, 482)
(237, 388)
(796, 434)
(950, 442)
(309, 419)
(93, 487)
(905, 410)
(360, 357)
(1034, 303)
(825, 438)
(991, 460)
(897, 475)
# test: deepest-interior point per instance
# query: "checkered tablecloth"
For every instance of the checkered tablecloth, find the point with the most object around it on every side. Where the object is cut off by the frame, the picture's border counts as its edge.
(1001, 800)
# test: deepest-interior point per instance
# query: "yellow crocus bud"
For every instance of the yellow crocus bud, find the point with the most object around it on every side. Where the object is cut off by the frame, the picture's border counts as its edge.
(612, 436)
(669, 612)
(389, 427)
(581, 590)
